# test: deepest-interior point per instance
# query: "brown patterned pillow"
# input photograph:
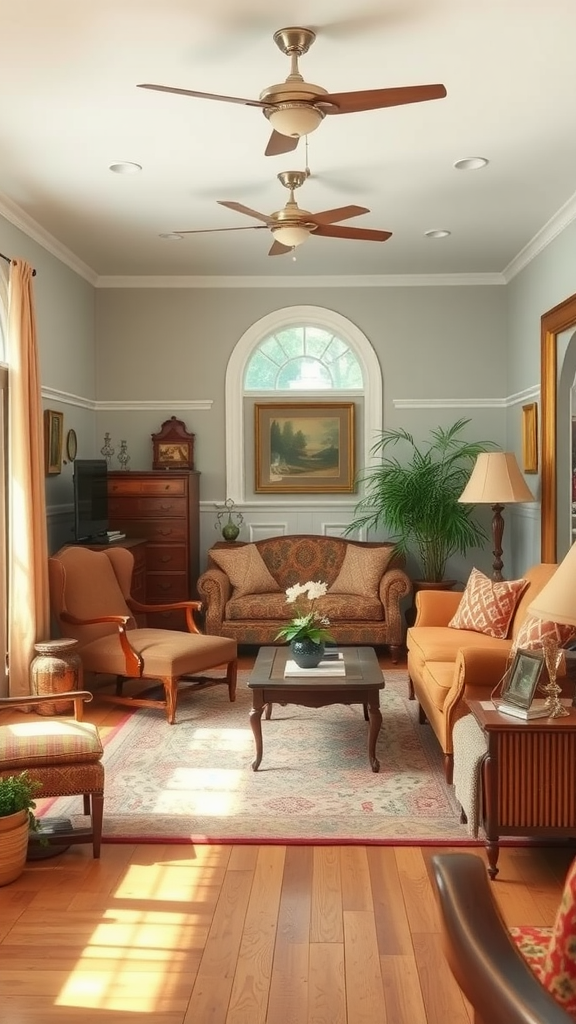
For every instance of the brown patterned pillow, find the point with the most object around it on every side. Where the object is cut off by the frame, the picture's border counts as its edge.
(533, 631)
(245, 570)
(361, 571)
(487, 606)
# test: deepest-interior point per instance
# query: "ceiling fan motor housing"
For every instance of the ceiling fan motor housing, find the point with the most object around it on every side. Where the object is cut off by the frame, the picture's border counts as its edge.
(293, 110)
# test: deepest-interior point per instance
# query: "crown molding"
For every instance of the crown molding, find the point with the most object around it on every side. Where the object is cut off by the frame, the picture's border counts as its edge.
(310, 281)
(33, 230)
(555, 226)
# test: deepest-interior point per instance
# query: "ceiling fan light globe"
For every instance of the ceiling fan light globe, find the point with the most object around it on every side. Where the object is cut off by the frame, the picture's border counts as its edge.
(294, 119)
(291, 234)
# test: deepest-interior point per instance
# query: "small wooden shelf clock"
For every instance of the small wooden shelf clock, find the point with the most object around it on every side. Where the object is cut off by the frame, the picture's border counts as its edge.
(173, 446)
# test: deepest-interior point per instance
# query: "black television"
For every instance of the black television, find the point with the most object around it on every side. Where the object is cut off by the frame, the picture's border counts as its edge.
(90, 501)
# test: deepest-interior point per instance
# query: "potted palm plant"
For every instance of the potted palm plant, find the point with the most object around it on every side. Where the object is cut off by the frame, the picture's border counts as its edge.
(416, 498)
(17, 818)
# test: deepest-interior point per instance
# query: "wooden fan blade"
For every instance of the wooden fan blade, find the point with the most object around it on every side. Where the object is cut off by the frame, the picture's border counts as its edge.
(203, 95)
(209, 231)
(374, 99)
(239, 208)
(280, 144)
(364, 234)
(278, 249)
(343, 213)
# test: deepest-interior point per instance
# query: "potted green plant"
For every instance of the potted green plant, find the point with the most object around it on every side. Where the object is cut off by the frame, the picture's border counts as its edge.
(416, 498)
(17, 793)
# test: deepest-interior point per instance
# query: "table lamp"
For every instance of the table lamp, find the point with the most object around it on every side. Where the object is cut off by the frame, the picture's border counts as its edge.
(556, 602)
(496, 480)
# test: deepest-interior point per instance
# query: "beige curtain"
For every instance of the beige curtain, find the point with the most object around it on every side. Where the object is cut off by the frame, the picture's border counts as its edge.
(28, 599)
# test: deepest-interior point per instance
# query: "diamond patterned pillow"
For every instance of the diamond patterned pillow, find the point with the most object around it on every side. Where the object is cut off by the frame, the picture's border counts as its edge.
(245, 569)
(533, 631)
(487, 606)
(361, 571)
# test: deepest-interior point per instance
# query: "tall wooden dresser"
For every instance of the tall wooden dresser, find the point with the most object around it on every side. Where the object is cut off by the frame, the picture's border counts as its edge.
(161, 506)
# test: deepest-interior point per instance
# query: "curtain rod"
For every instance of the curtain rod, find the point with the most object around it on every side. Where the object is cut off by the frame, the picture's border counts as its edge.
(8, 260)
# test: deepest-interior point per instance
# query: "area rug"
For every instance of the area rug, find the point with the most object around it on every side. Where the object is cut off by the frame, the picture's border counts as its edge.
(193, 782)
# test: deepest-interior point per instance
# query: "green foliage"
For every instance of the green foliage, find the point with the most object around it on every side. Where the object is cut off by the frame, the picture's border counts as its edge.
(17, 793)
(417, 499)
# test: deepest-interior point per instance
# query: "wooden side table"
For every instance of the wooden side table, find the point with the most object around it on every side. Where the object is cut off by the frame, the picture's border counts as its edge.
(528, 777)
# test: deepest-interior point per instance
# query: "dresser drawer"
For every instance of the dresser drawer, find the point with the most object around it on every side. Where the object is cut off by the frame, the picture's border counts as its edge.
(162, 588)
(167, 558)
(146, 485)
(164, 531)
(137, 508)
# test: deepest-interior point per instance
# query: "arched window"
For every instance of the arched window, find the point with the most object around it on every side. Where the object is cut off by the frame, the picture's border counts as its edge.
(303, 358)
(297, 349)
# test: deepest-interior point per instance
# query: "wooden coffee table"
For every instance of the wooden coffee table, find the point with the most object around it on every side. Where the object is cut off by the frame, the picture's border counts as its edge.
(360, 685)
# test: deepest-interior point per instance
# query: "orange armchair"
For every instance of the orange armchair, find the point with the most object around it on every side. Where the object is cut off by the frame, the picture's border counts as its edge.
(90, 598)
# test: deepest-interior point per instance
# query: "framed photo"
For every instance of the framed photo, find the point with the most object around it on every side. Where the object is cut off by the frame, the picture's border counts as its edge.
(304, 447)
(53, 434)
(530, 437)
(521, 680)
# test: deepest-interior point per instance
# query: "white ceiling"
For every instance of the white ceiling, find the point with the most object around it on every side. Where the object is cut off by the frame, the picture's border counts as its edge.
(70, 108)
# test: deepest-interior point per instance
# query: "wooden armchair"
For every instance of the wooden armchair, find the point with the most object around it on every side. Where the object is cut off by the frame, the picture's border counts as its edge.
(90, 597)
(64, 755)
(510, 976)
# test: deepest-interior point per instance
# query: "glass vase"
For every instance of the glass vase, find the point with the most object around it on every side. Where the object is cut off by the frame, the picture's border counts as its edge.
(306, 653)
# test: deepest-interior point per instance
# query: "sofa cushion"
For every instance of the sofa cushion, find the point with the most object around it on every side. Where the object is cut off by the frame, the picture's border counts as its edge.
(534, 631)
(245, 570)
(438, 643)
(272, 607)
(487, 606)
(362, 570)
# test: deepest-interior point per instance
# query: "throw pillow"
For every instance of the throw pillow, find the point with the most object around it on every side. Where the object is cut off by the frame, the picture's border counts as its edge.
(533, 631)
(487, 606)
(246, 570)
(559, 968)
(361, 571)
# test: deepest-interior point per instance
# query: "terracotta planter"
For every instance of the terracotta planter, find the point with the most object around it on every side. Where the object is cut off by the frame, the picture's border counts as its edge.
(14, 830)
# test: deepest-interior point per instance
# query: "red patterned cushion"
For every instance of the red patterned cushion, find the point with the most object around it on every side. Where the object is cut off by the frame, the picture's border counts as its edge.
(533, 631)
(486, 606)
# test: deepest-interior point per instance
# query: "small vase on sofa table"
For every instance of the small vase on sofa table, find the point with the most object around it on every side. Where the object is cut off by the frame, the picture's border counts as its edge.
(306, 653)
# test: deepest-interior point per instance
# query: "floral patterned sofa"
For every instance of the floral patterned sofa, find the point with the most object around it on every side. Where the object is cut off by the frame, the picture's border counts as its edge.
(244, 588)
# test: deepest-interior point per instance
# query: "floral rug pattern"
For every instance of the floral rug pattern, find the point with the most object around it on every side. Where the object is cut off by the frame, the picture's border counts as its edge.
(193, 781)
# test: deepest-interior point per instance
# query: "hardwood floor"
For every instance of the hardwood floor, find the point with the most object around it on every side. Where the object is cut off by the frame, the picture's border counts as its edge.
(243, 934)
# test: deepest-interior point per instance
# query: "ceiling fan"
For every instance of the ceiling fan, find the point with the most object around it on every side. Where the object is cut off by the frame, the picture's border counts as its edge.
(291, 226)
(295, 107)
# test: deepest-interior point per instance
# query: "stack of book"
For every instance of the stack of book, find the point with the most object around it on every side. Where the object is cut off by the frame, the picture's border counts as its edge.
(333, 666)
(536, 710)
(113, 535)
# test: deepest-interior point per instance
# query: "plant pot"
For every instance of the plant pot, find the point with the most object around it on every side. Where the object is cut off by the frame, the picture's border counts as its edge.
(230, 531)
(306, 653)
(14, 830)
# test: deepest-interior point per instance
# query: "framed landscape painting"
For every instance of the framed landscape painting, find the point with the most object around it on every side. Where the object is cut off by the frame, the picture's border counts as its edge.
(304, 447)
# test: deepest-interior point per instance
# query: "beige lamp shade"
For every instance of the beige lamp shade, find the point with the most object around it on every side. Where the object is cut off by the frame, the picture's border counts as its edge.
(496, 480)
(556, 601)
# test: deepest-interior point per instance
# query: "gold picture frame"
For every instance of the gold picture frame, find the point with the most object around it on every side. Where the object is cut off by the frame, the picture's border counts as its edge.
(530, 437)
(53, 437)
(304, 447)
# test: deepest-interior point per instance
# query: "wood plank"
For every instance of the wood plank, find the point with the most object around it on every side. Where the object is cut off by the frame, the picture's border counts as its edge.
(364, 989)
(326, 985)
(251, 986)
(402, 992)
(356, 888)
(326, 916)
(392, 926)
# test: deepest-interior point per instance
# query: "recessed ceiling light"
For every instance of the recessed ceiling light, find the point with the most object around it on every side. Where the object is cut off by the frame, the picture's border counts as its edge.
(172, 236)
(437, 233)
(126, 167)
(471, 163)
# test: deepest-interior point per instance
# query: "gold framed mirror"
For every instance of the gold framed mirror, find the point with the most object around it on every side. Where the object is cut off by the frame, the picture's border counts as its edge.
(553, 323)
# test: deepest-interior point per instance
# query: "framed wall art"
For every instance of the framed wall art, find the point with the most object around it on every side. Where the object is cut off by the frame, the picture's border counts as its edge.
(304, 447)
(530, 437)
(53, 435)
